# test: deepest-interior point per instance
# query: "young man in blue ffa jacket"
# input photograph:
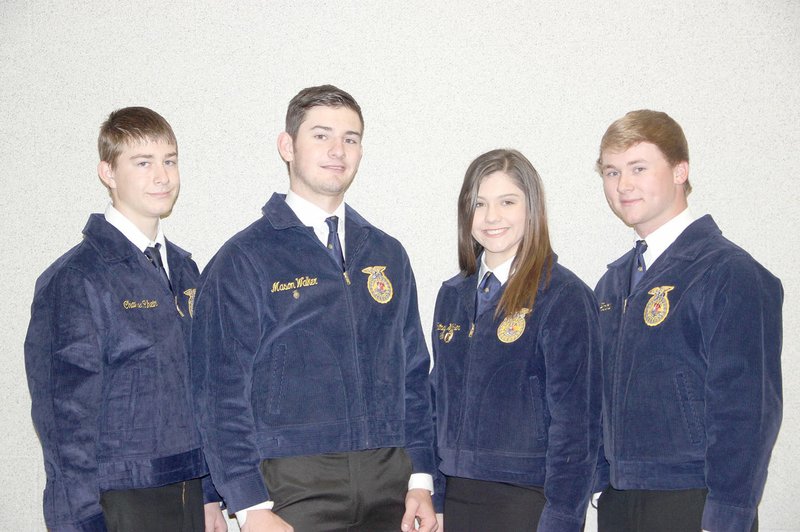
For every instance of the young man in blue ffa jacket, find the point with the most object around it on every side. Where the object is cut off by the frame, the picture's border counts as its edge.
(309, 359)
(692, 342)
(106, 353)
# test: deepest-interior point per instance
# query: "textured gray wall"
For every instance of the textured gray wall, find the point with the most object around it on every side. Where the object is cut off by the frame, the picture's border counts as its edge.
(439, 84)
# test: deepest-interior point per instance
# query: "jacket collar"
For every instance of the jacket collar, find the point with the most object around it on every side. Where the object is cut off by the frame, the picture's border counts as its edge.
(687, 247)
(113, 246)
(280, 216)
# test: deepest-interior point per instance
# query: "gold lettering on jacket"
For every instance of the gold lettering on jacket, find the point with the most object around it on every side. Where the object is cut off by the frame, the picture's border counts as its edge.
(299, 282)
(144, 303)
(446, 331)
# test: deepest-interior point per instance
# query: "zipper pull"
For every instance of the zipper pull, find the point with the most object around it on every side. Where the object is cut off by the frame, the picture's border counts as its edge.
(346, 278)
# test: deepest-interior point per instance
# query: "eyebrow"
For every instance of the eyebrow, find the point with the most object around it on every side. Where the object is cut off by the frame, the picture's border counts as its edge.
(509, 195)
(150, 156)
(330, 129)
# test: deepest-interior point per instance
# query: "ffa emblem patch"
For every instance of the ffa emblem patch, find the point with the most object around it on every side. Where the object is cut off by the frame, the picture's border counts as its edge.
(657, 308)
(379, 286)
(190, 292)
(446, 331)
(512, 326)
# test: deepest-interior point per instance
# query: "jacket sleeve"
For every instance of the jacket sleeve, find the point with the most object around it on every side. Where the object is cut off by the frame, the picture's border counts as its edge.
(418, 416)
(439, 481)
(742, 331)
(570, 340)
(225, 338)
(64, 363)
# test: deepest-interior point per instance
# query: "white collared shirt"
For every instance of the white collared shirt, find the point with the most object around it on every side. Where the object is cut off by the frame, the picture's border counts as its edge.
(659, 240)
(314, 217)
(135, 235)
(501, 272)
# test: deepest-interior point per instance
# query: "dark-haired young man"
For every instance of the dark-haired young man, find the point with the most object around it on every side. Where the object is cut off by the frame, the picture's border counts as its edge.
(310, 362)
(692, 330)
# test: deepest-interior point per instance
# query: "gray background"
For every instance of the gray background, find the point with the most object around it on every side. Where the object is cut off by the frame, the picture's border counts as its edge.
(440, 83)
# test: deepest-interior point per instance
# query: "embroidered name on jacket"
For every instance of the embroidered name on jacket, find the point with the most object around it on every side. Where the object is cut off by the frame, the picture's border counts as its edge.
(299, 282)
(379, 286)
(143, 304)
(657, 307)
(446, 331)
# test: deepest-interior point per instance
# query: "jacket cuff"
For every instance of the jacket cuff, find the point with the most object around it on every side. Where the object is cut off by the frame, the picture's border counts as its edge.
(719, 517)
(243, 492)
(552, 521)
(209, 492)
(422, 460)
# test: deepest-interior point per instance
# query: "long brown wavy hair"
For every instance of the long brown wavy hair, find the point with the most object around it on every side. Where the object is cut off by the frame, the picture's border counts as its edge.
(534, 258)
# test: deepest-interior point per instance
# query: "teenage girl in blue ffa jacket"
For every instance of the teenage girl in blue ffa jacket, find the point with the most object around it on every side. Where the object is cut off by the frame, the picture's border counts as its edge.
(516, 378)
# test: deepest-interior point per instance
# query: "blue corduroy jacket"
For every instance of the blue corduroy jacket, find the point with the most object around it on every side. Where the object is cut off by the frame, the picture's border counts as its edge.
(106, 357)
(692, 376)
(525, 410)
(291, 357)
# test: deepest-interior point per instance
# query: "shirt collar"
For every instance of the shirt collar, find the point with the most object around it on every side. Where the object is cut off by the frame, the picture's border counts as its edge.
(502, 272)
(133, 233)
(659, 240)
(314, 217)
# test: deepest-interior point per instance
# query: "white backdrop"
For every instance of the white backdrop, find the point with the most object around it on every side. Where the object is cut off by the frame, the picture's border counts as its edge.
(439, 83)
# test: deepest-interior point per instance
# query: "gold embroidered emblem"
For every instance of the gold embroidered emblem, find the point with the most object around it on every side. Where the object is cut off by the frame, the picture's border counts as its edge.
(379, 286)
(605, 306)
(657, 307)
(512, 327)
(446, 331)
(190, 293)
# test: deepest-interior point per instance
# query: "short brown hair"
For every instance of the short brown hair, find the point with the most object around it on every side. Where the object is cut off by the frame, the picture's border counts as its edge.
(132, 125)
(644, 125)
(534, 258)
(323, 95)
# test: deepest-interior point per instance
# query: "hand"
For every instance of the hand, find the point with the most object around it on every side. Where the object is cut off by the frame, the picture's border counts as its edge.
(215, 521)
(265, 521)
(440, 522)
(419, 506)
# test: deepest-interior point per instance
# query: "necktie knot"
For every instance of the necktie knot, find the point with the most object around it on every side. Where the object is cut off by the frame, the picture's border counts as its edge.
(153, 254)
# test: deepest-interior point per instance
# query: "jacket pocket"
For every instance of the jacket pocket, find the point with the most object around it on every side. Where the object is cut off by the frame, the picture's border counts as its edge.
(276, 379)
(687, 402)
(538, 409)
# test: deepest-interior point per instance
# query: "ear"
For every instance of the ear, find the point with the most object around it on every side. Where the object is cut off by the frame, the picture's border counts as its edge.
(286, 147)
(106, 174)
(680, 173)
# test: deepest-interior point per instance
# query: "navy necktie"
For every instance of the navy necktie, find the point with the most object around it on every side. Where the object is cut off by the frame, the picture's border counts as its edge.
(153, 254)
(638, 268)
(334, 244)
(487, 290)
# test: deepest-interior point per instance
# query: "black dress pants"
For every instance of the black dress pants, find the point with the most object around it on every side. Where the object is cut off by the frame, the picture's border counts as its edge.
(480, 506)
(652, 510)
(172, 508)
(361, 491)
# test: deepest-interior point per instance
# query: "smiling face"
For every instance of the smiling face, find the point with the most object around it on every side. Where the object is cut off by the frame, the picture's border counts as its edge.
(642, 188)
(500, 218)
(144, 182)
(324, 156)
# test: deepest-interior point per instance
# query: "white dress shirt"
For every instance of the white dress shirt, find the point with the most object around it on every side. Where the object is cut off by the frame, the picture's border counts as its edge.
(659, 240)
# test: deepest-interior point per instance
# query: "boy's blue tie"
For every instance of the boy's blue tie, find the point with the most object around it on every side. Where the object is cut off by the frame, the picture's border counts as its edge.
(334, 244)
